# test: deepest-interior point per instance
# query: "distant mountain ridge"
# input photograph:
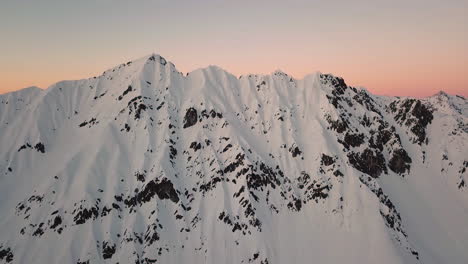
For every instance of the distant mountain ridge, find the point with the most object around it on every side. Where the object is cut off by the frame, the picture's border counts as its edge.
(146, 165)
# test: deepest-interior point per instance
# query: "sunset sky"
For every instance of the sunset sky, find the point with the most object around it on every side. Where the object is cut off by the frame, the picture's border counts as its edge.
(414, 48)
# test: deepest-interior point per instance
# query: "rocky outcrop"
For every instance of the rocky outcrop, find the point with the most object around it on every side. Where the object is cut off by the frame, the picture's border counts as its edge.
(190, 118)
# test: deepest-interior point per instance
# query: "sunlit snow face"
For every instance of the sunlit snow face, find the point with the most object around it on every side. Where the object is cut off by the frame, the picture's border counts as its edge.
(144, 163)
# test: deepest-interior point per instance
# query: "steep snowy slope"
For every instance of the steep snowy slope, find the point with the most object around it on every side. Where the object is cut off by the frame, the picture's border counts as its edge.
(145, 165)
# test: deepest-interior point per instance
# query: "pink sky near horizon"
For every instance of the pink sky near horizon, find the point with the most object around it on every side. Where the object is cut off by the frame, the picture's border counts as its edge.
(401, 49)
(388, 79)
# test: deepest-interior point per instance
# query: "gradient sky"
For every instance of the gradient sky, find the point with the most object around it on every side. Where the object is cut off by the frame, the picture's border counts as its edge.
(398, 47)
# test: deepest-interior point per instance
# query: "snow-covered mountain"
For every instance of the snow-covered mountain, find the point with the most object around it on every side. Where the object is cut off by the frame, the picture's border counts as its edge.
(146, 165)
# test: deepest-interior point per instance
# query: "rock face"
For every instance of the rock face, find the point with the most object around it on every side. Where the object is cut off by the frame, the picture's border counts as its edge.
(400, 161)
(146, 165)
(414, 114)
(163, 189)
(368, 162)
(191, 117)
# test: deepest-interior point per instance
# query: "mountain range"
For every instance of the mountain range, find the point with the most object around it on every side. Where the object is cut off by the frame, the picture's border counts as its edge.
(145, 164)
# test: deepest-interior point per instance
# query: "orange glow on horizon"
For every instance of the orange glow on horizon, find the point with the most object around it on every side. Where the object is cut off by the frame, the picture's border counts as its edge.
(383, 80)
(400, 48)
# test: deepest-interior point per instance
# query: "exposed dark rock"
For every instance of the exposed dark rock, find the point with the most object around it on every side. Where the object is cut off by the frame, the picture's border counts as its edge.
(234, 165)
(303, 180)
(238, 225)
(116, 206)
(163, 189)
(365, 121)
(129, 89)
(400, 161)
(172, 152)
(162, 61)
(462, 171)
(140, 176)
(320, 191)
(195, 146)
(413, 114)
(382, 136)
(99, 96)
(339, 87)
(353, 140)
(368, 162)
(40, 147)
(91, 122)
(210, 185)
(36, 198)
(84, 214)
(461, 184)
(295, 204)
(138, 110)
(295, 151)
(337, 82)
(105, 211)
(118, 198)
(262, 177)
(39, 231)
(211, 114)
(27, 145)
(135, 100)
(228, 146)
(151, 234)
(108, 250)
(191, 117)
(363, 98)
(327, 160)
(338, 173)
(57, 222)
(423, 114)
(339, 126)
(6, 254)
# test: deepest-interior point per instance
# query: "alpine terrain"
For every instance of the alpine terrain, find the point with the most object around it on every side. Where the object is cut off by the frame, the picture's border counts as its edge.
(144, 164)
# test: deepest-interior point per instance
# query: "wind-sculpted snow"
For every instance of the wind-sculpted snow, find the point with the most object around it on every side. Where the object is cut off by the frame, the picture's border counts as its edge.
(144, 164)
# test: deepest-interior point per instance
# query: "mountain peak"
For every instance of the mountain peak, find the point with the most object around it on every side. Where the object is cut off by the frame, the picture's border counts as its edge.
(145, 165)
(441, 94)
